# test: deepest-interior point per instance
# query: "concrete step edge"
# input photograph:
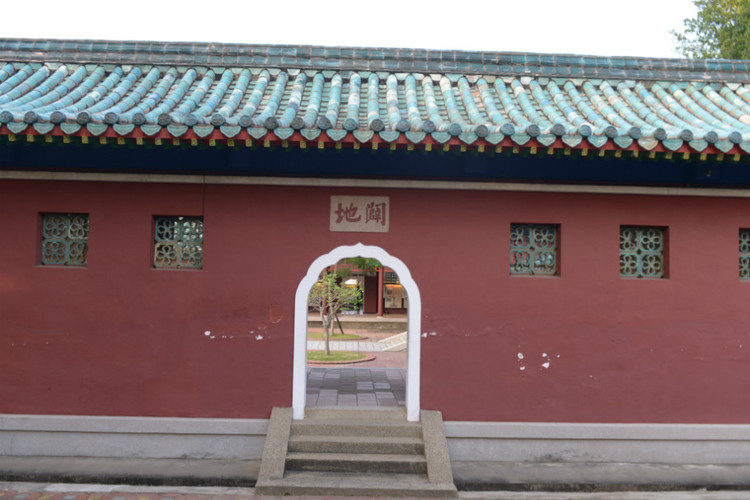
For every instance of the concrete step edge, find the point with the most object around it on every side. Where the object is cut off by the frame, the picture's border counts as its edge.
(355, 457)
(317, 489)
(367, 444)
(353, 430)
(332, 422)
(325, 414)
(355, 484)
(363, 463)
(385, 440)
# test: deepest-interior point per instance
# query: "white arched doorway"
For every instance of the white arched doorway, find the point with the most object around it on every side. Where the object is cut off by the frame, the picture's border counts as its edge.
(299, 384)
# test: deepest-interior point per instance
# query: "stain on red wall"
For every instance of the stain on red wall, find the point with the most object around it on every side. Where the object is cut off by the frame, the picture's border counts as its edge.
(121, 338)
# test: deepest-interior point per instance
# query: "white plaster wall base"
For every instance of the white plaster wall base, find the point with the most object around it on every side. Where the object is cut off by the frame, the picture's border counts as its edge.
(598, 443)
(131, 437)
(243, 439)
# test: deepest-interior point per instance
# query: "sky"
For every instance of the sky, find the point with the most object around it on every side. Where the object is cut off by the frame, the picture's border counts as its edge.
(594, 27)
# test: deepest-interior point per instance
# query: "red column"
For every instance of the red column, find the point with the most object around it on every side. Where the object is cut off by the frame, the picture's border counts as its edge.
(381, 275)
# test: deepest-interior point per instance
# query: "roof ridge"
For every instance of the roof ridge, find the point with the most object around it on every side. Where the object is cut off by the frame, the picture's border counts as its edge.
(370, 59)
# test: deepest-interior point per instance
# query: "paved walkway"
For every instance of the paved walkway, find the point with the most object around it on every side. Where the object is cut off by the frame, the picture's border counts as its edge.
(42, 491)
(345, 345)
(355, 386)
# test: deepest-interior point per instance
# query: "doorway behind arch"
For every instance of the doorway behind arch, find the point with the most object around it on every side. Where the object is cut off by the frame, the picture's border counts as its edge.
(371, 327)
(410, 374)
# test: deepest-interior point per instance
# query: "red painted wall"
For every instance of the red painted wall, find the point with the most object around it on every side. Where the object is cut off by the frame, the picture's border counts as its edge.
(120, 338)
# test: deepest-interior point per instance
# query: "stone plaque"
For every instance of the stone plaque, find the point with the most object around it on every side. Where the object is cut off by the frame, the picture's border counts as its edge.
(368, 214)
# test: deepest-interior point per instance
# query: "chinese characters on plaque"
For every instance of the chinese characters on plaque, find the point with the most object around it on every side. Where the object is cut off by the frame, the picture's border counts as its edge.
(368, 214)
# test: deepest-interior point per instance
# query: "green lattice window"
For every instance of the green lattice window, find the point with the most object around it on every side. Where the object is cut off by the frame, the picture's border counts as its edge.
(178, 242)
(745, 254)
(65, 239)
(533, 249)
(642, 251)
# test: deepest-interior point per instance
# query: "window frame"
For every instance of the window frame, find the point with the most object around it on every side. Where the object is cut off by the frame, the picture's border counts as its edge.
(745, 254)
(68, 261)
(639, 252)
(177, 242)
(534, 250)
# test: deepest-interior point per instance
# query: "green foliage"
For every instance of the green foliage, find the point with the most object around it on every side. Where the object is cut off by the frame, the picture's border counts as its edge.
(330, 296)
(721, 29)
(359, 300)
(367, 266)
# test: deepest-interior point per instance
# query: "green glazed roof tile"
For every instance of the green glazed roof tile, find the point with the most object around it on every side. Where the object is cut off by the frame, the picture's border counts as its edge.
(428, 94)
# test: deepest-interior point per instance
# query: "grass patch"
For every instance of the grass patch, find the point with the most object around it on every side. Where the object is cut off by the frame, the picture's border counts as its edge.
(335, 356)
(345, 336)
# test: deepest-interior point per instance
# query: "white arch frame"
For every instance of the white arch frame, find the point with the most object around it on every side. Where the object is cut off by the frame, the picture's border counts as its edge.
(299, 383)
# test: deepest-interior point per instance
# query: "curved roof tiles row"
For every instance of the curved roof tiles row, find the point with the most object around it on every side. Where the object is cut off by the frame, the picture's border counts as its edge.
(370, 59)
(442, 105)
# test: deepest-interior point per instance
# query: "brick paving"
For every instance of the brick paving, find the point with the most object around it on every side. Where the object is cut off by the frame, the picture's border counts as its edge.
(41, 491)
(373, 387)
(382, 360)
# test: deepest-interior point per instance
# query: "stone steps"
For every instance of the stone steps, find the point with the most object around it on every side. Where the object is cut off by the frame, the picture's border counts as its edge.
(396, 415)
(353, 484)
(355, 444)
(357, 462)
(349, 428)
(355, 452)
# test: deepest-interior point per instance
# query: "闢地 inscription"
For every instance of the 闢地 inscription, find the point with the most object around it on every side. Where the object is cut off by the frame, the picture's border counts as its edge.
(360, 214)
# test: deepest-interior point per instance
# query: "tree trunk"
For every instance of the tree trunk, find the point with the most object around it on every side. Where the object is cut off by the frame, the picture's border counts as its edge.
(326, 319)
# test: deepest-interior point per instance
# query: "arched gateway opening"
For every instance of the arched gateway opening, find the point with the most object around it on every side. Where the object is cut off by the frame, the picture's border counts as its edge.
(301, 315)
